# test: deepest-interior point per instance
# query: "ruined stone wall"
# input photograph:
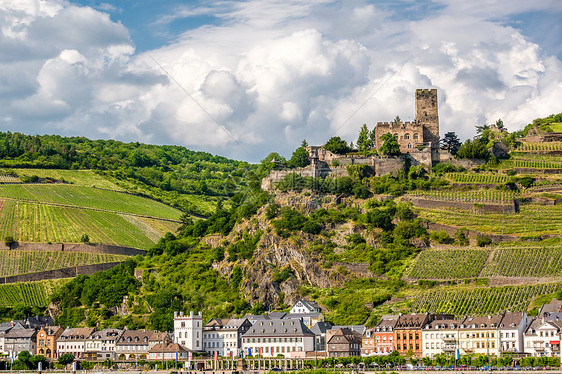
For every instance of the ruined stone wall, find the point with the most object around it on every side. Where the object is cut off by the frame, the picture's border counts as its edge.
(422, 157)
(386, 165)
(69, 272)
(474, 207)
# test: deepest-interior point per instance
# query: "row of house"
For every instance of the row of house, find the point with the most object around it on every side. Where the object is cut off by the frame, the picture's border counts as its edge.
(299, 333)
(427, 335)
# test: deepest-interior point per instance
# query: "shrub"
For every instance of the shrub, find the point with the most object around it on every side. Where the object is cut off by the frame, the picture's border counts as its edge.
(9, 241)
(462, 237)
(441, 237)
(84, 238)
(483, 241)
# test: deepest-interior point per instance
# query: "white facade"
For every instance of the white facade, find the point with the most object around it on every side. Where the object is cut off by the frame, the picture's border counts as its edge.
(2, 351)
(278, 337)
(103, 343)
(305, 306)
(188, 330)
(73, 341)
(511, 332)
(542, 338)
(438, 341)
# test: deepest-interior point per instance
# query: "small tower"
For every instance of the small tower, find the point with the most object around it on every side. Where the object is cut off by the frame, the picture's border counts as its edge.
(188, 330)
(428, 116)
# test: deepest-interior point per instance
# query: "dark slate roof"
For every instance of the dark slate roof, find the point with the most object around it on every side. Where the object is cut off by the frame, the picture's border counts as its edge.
(302, 315)
(20, 333)
(388, 320)
(411, 321)
(38, 321)
(278, 327)
(106, 334)
(360, 329)
(444, 324)
(135, 337)
(5, 326)
(320, 328)
(277, 315)
(554, 306)
(344, 335)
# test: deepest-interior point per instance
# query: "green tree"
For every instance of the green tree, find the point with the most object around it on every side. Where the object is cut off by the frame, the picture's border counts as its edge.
(451, 143)
(473, 149)
(390, 146)
(84, 238)
(337, 145)
(364, 141)
(299, 158)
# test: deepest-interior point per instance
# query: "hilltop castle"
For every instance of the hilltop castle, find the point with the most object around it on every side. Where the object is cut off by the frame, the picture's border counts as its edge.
(423, 132)
(418, 140)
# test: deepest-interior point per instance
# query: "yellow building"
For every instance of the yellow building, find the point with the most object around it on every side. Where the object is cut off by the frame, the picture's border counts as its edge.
(480, 335)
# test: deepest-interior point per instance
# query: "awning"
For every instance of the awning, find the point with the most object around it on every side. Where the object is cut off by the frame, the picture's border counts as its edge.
(555, 342)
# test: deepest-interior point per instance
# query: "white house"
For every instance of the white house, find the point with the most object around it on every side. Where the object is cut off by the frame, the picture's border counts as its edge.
(542, 338)
(73, 340)
(224, 336)
(188, 330)
(305, 306)
(102, 345)
(269, 338)
(511, 330)
(440, 336)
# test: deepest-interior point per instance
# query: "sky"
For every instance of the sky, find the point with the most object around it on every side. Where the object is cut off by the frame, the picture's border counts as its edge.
(246, 78)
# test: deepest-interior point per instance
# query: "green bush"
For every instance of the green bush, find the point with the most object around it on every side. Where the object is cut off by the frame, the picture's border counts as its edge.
(483, 241)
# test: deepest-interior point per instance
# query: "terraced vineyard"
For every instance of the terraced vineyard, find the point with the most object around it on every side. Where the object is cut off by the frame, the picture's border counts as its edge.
(8, 179)
(534, 147)
(532, 219)
(481, 300)
(477, 178)
(449, 264)
(474, 262)
(89, 198)
(77, 177)
(525, 262)
(534, 164)
(29, 222)
(22, 262)
(482, 195)
(30, 293)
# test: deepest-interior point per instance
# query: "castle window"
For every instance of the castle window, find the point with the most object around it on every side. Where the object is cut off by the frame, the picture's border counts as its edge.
(416, 136)
(406, 136)
(409, 146)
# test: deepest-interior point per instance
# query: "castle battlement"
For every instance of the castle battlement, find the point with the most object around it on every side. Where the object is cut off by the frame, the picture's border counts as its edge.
(400, 125)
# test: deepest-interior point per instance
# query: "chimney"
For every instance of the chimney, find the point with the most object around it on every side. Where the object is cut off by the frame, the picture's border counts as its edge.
(175, 315)
(191, 314)
(200, 314)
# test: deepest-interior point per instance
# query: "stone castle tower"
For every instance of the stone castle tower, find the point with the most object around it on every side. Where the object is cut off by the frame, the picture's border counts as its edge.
(428, 116)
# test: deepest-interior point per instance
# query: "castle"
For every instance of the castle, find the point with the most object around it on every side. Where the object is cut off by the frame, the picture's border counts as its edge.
(418, 140)
(423, 132)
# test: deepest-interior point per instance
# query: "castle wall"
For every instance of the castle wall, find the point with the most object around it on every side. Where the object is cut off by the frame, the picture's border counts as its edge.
(422, 157)
(408, 134)
(386, 165)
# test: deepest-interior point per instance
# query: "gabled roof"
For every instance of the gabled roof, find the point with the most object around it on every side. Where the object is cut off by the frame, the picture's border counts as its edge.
(320, 328)
(20, 334)
(388, 320)
(554, 306)
(308, 304)
(52, 330)
(158, 336)
(360, 329)
(5, 327)
(278, 327)
(511, 320)
(344, 335)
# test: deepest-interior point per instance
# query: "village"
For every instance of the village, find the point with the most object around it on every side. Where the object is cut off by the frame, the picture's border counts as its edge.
(301, 334)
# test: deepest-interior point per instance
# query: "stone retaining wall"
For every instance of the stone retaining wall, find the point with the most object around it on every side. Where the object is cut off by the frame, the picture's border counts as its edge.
(75, 247)
(59, 273)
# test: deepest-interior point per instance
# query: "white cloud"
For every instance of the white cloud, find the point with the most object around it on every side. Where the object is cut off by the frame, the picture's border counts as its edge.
(270, 74)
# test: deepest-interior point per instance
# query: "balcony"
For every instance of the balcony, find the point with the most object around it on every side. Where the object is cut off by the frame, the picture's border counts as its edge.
(449, 348)
(447, 338)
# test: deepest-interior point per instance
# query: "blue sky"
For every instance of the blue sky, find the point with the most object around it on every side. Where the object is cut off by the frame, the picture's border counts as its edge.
(243, 78)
